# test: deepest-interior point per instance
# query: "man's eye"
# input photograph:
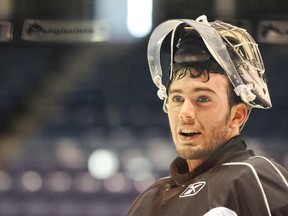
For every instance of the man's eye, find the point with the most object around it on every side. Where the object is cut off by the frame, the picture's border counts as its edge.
(203, 99)
(177, 99)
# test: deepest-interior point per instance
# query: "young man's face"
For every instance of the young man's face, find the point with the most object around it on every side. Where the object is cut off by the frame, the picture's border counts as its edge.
(199, 115)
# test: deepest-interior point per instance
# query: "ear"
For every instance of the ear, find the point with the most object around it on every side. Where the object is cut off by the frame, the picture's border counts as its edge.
(238, 116)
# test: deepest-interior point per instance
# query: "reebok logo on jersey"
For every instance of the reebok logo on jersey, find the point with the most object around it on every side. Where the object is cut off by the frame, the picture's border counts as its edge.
(192, 189)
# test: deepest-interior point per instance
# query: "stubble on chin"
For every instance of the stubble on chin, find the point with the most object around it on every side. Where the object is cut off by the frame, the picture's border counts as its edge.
(201, 152)
(192, 153)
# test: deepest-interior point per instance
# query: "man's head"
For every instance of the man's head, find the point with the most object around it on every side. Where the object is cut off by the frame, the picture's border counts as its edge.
(216, 76)
(200, 114)
(203, 110)
(224, 47)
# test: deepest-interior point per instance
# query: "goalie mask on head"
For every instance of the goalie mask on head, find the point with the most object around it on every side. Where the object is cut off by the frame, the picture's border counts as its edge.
(224, 48)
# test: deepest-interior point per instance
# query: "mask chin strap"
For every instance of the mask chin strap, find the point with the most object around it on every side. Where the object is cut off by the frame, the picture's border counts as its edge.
(244, 91)
(161, 88)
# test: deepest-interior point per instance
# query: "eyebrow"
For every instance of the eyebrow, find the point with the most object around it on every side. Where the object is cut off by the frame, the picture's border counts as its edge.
(195, 90)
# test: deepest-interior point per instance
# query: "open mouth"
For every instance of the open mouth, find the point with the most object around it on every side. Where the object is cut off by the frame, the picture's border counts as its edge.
(188, 133)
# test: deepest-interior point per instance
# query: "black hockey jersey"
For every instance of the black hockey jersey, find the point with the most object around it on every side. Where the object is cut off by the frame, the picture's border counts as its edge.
(232, 182)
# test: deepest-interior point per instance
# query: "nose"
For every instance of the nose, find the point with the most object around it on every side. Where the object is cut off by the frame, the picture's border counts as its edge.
(187, 111)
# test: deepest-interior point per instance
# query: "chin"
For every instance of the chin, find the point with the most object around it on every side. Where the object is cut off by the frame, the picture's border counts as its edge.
(196, 154)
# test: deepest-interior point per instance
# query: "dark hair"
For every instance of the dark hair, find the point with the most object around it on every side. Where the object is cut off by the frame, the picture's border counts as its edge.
(200, 69)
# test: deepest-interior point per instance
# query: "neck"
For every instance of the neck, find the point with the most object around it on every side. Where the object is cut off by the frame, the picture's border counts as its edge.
(193, 164)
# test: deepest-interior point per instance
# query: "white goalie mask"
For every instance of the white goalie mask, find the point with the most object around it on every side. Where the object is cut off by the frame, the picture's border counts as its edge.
(231, 47)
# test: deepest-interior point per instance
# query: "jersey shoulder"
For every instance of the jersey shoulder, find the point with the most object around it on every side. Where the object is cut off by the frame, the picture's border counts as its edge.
(261, 167)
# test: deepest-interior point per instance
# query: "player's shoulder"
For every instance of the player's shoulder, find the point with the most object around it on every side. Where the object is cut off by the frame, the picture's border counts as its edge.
(259, 166)
(256, 162)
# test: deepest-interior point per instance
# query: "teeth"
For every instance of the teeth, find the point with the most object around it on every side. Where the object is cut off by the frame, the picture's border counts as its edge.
(187, 131)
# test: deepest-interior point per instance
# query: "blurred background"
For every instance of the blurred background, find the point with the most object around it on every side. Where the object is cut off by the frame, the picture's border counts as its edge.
(82, 131)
